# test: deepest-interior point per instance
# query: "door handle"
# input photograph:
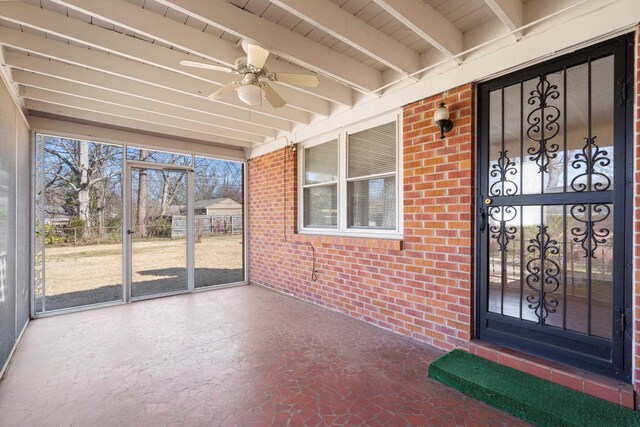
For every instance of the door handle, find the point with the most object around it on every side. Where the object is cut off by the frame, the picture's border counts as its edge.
(130, 232)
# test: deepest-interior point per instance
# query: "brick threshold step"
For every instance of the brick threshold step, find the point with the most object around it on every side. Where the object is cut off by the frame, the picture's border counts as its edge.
(599, 386)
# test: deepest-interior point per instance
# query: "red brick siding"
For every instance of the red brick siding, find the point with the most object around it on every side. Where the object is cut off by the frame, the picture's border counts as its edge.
(421, 287)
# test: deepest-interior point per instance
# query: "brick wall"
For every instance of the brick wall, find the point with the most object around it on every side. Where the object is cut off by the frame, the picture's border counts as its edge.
(421, 287)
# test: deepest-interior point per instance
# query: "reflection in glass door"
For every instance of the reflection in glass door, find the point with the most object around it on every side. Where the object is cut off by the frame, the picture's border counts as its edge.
(158, 231)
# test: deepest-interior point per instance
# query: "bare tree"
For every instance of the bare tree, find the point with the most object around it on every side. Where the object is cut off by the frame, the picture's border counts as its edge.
(75, 169)
(141, 211)
(218, 178)
(83, 187)
(170, 184)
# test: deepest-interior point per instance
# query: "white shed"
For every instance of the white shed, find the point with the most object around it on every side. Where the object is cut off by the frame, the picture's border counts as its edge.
(218, 207)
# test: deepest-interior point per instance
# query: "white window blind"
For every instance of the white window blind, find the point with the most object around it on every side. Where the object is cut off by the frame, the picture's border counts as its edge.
(320, 192)
(372, 151)
(321, 163)
(372, 203)
(371, 188)
(321, 206)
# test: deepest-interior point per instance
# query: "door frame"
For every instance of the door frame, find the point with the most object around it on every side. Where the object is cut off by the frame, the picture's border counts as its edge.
(626, 91)
(127, 253)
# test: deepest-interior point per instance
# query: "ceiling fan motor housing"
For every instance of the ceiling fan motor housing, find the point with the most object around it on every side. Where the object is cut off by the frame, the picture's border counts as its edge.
(250, 79)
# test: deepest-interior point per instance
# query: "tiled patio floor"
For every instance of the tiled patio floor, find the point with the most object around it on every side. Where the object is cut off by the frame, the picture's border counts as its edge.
(237, 357)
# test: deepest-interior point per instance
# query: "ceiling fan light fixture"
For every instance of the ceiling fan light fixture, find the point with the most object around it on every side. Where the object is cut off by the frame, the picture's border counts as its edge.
(250, 93)
(250, 90)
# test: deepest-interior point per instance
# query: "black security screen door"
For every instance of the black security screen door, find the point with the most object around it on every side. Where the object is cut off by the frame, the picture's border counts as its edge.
(554, 224)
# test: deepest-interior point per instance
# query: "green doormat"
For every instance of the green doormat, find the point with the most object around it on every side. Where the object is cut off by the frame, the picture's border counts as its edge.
(533, 399)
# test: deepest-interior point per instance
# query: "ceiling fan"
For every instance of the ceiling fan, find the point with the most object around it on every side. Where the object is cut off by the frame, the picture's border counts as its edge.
(254, 86)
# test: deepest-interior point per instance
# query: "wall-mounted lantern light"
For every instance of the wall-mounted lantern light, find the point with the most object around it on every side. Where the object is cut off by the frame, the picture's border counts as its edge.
(441, 117)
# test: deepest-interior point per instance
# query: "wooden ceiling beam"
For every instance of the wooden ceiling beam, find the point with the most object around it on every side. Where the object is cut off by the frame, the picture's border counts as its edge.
(73, 73)
(48, 125)
(32, 80)
(133, 70)
(292, 46)
(243, 139)
(127, 122)
(510, 12)
(428, 23)
(149, 24)
(334, 20)
(130, 47)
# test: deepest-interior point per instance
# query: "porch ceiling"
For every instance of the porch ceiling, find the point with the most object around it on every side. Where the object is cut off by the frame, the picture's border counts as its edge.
(116, 62)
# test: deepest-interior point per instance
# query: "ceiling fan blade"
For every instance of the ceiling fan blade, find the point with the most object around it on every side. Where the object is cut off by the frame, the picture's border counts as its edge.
(256, 55)
(272, 96)
(224, 90)
(308, 80)
(206, 66)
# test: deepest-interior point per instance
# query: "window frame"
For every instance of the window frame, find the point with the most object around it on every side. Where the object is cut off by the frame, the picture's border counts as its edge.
(342, 229)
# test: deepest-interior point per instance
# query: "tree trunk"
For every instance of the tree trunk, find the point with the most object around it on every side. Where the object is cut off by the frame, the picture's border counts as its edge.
(165, 194)
(83, 193)
(101, 196)
(555, 168)
(167, 197)
(141, 217)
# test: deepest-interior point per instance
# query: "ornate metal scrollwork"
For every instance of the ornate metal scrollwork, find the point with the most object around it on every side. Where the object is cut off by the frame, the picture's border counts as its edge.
(591, 156)
(589, 236)
(542, 277)
(501, 232)
(543, 123)
(503, 168)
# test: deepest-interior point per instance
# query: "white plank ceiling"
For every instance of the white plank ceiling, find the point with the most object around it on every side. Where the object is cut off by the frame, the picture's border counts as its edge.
(116, 62)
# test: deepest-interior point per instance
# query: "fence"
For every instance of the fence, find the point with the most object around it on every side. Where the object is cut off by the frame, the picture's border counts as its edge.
(174, 228)
(81, 235)
(206, 225)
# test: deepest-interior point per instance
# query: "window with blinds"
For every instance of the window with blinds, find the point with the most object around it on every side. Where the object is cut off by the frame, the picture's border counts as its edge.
(321, 185)
(371, 178)
(350, 184)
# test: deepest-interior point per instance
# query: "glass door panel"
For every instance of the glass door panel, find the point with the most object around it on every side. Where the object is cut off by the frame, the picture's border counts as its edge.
(218, 222)
(78, 224)
(158, 230)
